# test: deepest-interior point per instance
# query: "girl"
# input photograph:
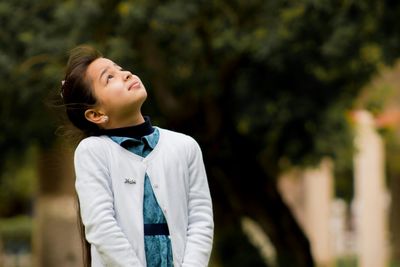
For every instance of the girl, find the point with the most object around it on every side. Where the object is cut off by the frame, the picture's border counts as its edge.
(143, 192)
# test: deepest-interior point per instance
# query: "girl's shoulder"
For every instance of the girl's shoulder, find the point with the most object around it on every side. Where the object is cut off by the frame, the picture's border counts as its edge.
(93, 144)
(180, 143)
(176, 137)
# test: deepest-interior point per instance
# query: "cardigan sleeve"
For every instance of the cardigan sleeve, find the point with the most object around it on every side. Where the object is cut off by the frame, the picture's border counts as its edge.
(95, 195)
(200, 217)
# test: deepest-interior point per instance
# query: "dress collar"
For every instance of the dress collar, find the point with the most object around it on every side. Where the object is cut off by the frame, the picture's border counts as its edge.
(137, 131)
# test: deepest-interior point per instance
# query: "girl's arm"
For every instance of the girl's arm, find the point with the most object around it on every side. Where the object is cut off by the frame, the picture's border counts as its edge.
(200, 220)
(97, 211)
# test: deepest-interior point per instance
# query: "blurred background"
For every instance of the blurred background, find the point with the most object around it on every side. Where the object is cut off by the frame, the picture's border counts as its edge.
(296, 105)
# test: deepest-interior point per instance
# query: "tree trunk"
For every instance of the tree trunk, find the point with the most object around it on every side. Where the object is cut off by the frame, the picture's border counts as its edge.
(252, 194)
(56, 237)
(233, 247)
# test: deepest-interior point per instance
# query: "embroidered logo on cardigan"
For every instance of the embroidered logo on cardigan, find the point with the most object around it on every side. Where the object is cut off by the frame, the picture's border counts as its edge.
(130, 181)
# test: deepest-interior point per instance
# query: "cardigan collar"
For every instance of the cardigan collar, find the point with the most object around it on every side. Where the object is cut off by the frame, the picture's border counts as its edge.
(137, 131)
(151, 140)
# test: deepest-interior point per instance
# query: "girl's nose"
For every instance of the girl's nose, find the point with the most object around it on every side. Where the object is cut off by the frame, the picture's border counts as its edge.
(127, 75)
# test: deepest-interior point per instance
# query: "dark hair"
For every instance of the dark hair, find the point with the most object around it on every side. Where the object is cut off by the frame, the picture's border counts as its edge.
(77, 96)
(76, 91)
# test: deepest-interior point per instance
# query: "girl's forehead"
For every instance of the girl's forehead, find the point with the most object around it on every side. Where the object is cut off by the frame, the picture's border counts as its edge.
(98, 66)
(101, 63)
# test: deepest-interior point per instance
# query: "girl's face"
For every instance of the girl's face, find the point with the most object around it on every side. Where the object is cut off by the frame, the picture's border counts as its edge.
(119, 93)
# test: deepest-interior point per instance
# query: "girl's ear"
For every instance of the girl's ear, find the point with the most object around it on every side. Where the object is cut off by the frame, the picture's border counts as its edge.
(95, 116)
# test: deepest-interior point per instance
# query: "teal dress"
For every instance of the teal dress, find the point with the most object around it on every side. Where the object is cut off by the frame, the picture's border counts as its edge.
(158, 248)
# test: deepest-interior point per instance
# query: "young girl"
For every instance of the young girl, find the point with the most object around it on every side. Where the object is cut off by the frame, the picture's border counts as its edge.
(143, 192)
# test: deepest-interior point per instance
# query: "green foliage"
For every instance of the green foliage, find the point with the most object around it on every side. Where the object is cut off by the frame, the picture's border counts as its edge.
(294, 66)
(18, 184)
(16, 233)
(376, 97)
(347, 262)
(392, 153)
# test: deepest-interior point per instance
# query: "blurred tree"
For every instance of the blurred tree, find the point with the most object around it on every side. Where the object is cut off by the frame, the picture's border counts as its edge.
(263, 85)
(18, 184)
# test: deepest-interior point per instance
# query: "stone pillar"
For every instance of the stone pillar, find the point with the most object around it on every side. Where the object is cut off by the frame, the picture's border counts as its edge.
(291, 187)
(318, 184)
(309, 194)
(371, 215)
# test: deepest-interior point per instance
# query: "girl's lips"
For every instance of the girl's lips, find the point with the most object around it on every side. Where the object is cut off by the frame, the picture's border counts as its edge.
(135, 84)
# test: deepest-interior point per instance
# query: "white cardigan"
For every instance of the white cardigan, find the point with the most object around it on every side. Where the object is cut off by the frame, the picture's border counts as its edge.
(112, 206)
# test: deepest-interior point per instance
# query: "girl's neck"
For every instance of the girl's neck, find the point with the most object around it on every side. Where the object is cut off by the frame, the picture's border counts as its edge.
(131, 121)
(136, 131)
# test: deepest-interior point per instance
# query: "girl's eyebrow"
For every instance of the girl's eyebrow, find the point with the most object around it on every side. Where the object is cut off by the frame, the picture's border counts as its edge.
(105, 70)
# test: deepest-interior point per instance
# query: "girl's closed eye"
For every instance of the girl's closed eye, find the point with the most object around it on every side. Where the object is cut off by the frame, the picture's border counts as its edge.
(109, 77)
